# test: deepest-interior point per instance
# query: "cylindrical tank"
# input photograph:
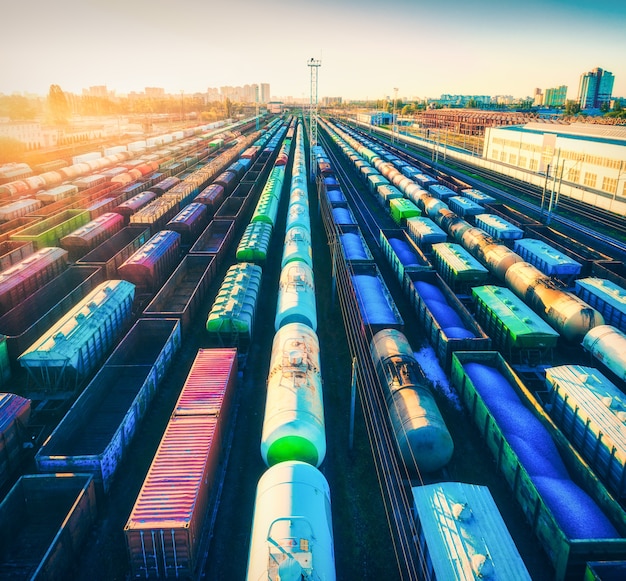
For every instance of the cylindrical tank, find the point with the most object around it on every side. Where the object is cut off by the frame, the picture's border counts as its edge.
(433, 208)
(498, 259)
(569, 315)
(522, 276)
(292, 535)
(293, 427)
(421, 434)
(608, 345)
(298, 215)
(296, 296)
(297, 246)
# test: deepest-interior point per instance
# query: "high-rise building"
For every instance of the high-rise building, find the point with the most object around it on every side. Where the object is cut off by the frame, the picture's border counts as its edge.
(265, 93)
(595, 89)
(555, 97)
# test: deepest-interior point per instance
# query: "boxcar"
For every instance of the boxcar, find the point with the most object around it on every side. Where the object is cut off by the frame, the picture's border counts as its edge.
(151, 264)
(11, 252)
(547, 258)
(589, 409)
(425, 232)
(18, 209)
(498, 227)
(512, 325)
(29, 274)
(458, 268)
(138, 201)
(14, 418)
(462, 534)
(87, 237)
(76, 344)
(27, 321)
(56, 194)
(212, 197)
(189, 222)
(606, 296)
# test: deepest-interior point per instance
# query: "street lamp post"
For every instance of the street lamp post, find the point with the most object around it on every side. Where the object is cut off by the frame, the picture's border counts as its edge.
(393, 119)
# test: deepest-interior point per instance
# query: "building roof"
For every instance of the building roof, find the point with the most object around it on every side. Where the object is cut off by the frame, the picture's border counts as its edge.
(613, 134)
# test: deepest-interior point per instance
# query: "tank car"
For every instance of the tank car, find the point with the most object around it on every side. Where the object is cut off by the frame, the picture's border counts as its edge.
(422, 437)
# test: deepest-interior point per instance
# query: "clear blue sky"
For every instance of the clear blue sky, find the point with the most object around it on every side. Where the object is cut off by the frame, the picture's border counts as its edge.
(367, 47)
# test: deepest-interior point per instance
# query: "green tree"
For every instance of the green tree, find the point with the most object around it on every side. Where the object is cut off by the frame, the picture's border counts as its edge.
(58, 105)
(572, 107)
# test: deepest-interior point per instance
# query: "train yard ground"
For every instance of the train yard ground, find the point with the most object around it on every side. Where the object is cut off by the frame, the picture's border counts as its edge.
(363, 544)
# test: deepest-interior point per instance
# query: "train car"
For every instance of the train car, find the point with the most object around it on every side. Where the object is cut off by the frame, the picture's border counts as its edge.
(266, 209)
(12, 252)
(292, 533)
(91, 235)
(57, 193)
(605, 571)
(496, 257)
(164, 185)
(111, 253)
(184, 292)
(189, 222)
(402, 253)
(422, 438)
(440, 192)
(518, 218)
(376, 306)
(448, 325)
(590, 410)
(212, 197)
(34, 315)
(163, 537)
(425, 232)
(89, 181)
(458, 268)
(155, 214)
(297, 246)
(547, 259)
(605, 296)
(18, 209)
(498, 227)
(230, 322)
(464, 206)
(564, 311)
(608, 345)
(132, 205)
(296, 296)
(401, 209)
(228, 180)
(462, 534)
(343, 216)
(375, 181)
(477, 196)
(215, 239)
(572, 514)
(15, 414)
(293, 425)
(44, 522)
(75, 345)
(512, 325)
(353, 245)
(95, 434)
(149, 266)
(29, 274)
(254, 243)
(49, 232)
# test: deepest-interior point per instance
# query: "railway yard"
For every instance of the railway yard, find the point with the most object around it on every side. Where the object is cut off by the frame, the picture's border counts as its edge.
(227, 355)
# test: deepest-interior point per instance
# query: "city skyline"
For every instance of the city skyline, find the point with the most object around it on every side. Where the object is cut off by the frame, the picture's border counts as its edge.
(366, 49)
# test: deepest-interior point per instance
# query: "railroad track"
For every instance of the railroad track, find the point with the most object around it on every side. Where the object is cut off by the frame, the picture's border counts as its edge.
(613, 242)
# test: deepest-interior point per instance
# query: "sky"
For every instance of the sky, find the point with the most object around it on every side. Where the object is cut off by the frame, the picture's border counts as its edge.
(425, 48)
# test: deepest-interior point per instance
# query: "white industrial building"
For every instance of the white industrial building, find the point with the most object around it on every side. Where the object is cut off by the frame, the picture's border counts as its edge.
(585, 158)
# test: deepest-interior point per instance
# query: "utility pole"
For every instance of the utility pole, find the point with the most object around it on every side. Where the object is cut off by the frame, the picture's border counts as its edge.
(394, 126)
(314, 66)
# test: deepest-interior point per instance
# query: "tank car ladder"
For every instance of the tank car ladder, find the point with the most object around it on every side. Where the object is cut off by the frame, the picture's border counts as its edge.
(303, 557)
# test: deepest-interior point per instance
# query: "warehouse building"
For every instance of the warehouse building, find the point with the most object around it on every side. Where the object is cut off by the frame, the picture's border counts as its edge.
(591, 157)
